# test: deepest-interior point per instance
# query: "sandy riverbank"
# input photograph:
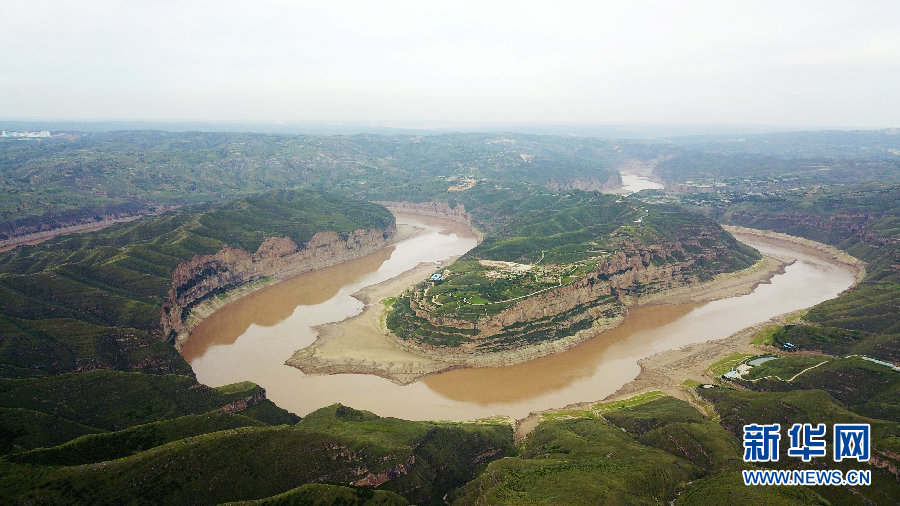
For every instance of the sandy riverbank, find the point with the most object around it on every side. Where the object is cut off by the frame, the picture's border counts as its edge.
(362, 344)
(814, 248)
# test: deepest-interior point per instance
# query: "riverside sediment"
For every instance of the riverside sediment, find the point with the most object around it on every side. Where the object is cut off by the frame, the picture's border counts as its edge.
(799, 243)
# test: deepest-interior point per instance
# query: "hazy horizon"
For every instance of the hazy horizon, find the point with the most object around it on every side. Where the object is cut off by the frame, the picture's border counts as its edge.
(635, 131)
(407, 65)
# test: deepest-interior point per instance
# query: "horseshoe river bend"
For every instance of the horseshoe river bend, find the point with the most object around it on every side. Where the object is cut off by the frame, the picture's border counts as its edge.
(252, 337)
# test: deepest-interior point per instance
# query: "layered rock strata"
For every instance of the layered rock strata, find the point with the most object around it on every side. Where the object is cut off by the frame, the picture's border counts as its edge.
(440, 210)
(277, 257)
(587, 184)
(597, 299)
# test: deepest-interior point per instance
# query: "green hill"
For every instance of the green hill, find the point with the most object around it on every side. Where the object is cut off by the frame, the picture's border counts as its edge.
(551, 247)
(88, 301)
(215, 458)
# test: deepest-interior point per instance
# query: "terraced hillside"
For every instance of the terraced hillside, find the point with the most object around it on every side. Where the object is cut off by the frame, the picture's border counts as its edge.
(556, 264)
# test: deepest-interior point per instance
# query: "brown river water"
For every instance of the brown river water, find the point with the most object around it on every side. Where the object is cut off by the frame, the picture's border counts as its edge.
(251, 338)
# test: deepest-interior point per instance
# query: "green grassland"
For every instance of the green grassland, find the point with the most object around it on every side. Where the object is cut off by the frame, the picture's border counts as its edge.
(737, 407)
(762, 169)
(447, 454)
(726, 364)
(97, 408)
(786, 368)
(841, 390)
(96, 448)
(864, 387)
(729, 488)
(22, 429)
(580, 461)
(78, 175)
(861, 220)
(112, 400)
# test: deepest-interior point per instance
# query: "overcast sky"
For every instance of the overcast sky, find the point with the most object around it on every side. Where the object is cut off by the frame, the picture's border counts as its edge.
(811, 63)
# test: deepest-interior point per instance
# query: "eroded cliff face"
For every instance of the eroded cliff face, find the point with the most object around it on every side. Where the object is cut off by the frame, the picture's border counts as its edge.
(588, 184)
(246, 402)
(599, 298)
(391, 473)
(433, 209)
(277, 257)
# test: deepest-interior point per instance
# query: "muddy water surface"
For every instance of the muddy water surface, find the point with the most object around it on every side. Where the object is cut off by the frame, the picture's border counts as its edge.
(632, 183)
(251, 338)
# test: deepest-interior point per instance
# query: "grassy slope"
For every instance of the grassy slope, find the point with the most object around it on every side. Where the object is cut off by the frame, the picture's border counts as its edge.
(865, 388)
(113, 400)
(857, 392)
(319, 494)
(96, 448)
(663, 449)
(863, 221)
(813, 406)
(25, 429)
(580, 461)
(78, 356)
(647, 453)
(446, 454)
(232, 458)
